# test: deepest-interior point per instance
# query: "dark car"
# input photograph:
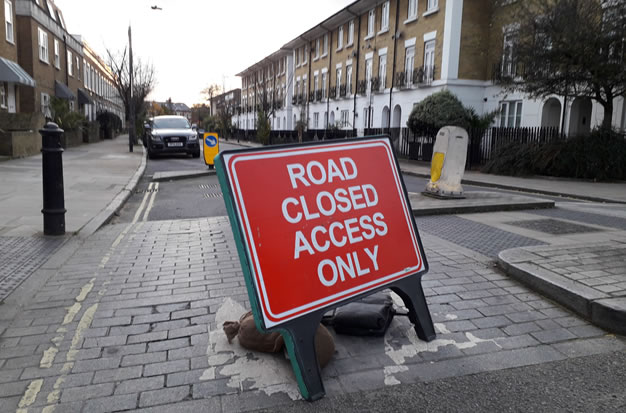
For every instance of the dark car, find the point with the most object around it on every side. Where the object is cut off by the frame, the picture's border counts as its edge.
(171, 134)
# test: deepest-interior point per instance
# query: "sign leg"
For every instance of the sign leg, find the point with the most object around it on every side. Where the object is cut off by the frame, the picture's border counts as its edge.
(410, 290)
(300, 340)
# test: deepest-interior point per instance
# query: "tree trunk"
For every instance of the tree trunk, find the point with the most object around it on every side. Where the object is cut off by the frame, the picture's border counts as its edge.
(607, 121)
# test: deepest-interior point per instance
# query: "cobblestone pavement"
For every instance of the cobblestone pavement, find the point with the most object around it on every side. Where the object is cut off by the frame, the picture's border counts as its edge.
(476, 236)
(20, 257)
(132, 321)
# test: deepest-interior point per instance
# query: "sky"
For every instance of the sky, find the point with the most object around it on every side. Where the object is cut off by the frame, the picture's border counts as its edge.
(194, 43)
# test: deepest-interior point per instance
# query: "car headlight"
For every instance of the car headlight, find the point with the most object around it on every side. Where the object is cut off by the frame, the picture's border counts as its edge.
(155, 138)
(193, 137)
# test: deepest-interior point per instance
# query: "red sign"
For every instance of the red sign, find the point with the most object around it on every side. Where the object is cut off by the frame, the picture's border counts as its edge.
(322, 223)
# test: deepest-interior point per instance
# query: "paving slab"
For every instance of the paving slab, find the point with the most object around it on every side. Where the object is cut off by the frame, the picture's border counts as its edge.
(475, 201)
(595, 291)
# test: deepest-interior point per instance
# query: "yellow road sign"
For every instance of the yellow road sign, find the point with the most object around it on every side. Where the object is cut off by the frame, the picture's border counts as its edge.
(211, 148)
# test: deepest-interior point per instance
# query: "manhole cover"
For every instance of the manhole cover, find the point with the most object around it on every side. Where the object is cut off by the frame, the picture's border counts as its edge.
(553, 226)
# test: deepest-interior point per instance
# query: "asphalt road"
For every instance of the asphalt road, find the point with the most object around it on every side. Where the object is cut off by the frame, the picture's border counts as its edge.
(202, 197)
(594, 383)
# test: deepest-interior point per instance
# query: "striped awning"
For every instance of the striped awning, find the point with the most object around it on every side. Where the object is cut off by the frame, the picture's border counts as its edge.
(11, 72)
(83, 98)
(62, 91)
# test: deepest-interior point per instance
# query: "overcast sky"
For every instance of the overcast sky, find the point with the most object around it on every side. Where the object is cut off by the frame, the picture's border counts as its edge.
(194, 43)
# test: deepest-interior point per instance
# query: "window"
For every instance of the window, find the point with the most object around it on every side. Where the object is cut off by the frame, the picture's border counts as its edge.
(316, 83)
(340, 38)
(317, 49)
(325, 119)
(77, 68)
(45, 105)
(325, 45)
(366, 111)
(324, 82)
(350, 33)
(344, 118)
(429, 57)
(409, 63)
(348, 79)
(511, 114)
(384, 18)
(304, 58)
(412, 12)
(57, 55)
(8, 20)
(368, 72)
(508, 53)
(338, 81)
(432, 5)
(3, 95)
(278, 123)
(316, 120)
(370, 23)
(70, 67)
(43, 45)
(382, 70)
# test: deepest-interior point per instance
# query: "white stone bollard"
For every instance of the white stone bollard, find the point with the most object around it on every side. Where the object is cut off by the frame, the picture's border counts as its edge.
(448, 163)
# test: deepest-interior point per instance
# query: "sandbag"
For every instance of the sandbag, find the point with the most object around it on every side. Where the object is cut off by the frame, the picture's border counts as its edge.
(252, 339)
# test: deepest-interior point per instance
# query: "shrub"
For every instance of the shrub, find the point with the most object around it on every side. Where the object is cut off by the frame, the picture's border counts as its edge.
(600, 156)
(263, 128)
(438, 110)
(64, 117)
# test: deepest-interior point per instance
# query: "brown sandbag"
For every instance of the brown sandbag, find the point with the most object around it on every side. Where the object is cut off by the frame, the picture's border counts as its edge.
(251, 338)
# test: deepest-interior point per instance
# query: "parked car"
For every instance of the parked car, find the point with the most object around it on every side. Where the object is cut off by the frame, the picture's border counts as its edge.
(171, 134)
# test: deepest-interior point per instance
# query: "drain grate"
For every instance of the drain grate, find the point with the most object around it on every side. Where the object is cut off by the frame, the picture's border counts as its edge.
(553, 226)
(208, 186)
(213, 195)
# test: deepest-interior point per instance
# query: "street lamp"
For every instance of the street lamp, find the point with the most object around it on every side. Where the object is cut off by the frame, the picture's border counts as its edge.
(131, 104)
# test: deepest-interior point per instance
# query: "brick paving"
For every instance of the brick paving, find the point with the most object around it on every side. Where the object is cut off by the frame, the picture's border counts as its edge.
(20, 257)
(132, 321)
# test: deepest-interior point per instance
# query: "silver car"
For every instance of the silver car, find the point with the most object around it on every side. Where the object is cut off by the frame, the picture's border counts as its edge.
(171, 134)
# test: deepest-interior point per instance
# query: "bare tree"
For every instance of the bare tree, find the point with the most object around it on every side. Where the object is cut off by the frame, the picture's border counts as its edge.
(210, 92)
(144, 81)
(572, 48)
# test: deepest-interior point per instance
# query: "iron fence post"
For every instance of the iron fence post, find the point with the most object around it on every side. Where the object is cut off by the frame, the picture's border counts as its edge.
(52, 174)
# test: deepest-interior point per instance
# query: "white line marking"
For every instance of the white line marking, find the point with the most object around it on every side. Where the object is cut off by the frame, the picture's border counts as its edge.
(143, 203)
(151, 203)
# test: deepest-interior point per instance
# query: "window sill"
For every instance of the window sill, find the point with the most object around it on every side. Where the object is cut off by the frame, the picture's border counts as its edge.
(411, 20)
(11, 42)
(349, 44)
(324, 55)
(337, 50)
(383, 31)
(43, 61)
(369, 36)
(429, 12)
(315, 59)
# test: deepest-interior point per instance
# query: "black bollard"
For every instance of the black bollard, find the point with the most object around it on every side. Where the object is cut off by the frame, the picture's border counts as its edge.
(52, 168)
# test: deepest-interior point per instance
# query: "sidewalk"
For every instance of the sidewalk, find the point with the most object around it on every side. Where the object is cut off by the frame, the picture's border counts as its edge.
(574, 188)
(95, 176)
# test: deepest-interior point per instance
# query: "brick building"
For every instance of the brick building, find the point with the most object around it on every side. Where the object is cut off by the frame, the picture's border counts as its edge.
(368, 64)
(226, 102)
(13, 77)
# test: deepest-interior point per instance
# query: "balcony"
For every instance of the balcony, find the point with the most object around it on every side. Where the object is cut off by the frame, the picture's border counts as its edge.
(361, 87)
(342, 90)
(294, 99)
(375, 83)
(400, 80)
(506, 69)
(311, 96)
(423, 75)
(318, 95)
(333, 93)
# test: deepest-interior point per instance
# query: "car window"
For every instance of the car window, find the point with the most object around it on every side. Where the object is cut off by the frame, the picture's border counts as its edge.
(171, 123)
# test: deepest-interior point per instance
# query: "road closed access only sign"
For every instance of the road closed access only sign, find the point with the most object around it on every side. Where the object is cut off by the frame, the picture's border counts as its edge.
(319, 224)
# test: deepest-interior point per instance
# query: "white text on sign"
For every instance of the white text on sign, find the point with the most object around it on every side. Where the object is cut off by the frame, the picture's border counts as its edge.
(338, 233)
